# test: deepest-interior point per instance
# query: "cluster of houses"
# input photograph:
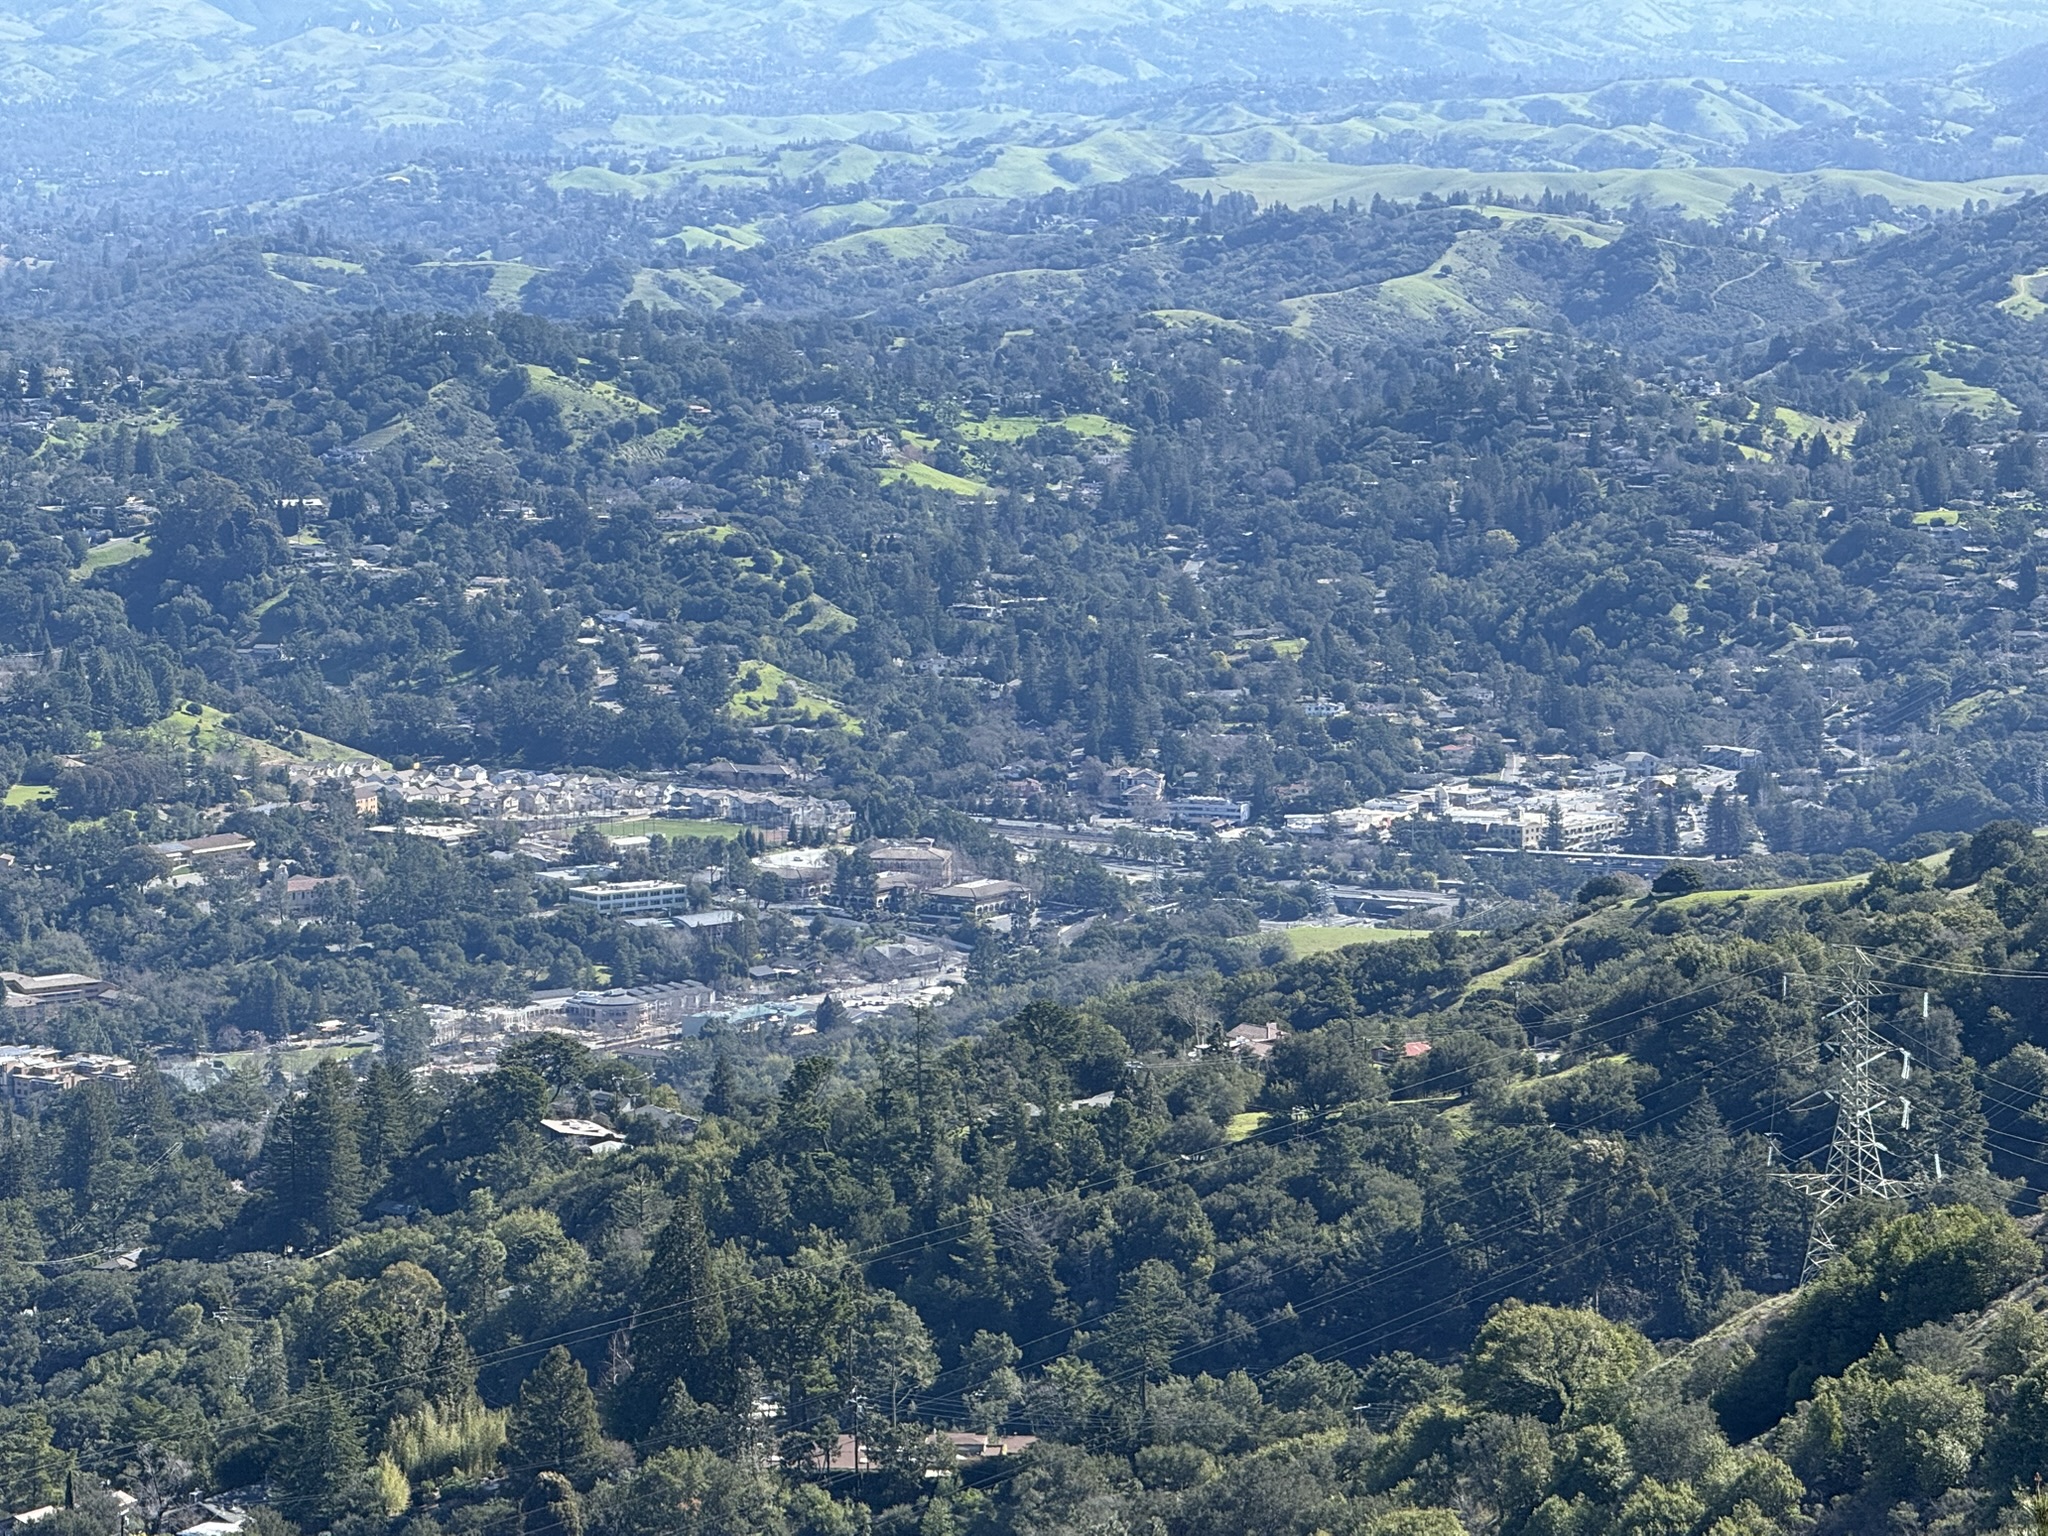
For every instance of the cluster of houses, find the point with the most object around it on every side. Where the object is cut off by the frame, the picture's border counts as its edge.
(1582, 810)
(763, 801)
(194, 1517)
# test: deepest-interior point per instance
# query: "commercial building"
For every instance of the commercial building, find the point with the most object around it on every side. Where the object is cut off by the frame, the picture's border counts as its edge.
(29, 1073)
(52, 990)
(637, 1010)
(980, 898)
(1209, 811)
(633, 898)
(216, 845)
(927, 865)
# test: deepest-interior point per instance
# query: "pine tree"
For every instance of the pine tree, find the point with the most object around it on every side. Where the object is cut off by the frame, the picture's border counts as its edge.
(722, 1096)
(92, 1156)
(319, 1478)
(1153, 1320)
(554, 1428)
(451, 1373)
(1730, 829)
(408, 1037)
(680, 1333)
(390, 1119)
(32, 1469)
(315, 1157)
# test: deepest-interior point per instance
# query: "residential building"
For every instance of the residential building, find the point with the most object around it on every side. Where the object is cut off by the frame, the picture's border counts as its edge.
(709, 918)
(1256, 1039)
(895, 959)
(586, 1136)
(302, 892)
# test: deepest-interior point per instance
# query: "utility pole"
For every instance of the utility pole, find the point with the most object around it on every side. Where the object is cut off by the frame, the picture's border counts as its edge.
(1855, 1166)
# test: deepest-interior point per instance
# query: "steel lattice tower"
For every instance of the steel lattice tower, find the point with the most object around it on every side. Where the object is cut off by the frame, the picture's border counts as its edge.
(1855, 1166)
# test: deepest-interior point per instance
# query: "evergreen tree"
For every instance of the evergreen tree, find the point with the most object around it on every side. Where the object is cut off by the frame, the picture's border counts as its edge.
(550, 1508)
(91, 1160)
(391, 1120)
(554, 1427)
(32, 1469)
(408, 1037)
(319, 1476)
(451, 1373)
(853, 882)
(680, 1334)
(721, 1097)
(315, 1157)
(1730, 830)
(1153, 1319)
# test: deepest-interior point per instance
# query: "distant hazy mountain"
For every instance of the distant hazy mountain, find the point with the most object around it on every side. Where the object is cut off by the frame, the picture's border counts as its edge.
(389, 61)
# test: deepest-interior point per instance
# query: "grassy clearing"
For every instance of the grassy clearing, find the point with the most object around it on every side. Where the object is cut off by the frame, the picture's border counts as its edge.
(1946, 389)
(601, 181)
(1963, 711)
(1805, 424)
(681, 288)
(933, 479)
(586, 407)
(1318, 939)
(1015, 429)
(719, 237)
(827, 618)
(19, 795)
(1765, 893)
(669, 827)
(763, 701)
(112, 553)
(1108, 155)
(1939, 517)
(294, 1063)
(282, 265)
(2029, 297)
(1249, 1124)
(902, 242)
(832, 219)
(208, 731)
(508, 278)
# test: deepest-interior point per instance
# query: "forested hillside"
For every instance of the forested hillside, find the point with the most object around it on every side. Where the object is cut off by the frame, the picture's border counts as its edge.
(975, 545)
(1248, 1290)
(983, 770)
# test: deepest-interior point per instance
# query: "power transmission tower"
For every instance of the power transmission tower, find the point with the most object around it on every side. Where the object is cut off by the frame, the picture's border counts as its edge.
(1855, 1166)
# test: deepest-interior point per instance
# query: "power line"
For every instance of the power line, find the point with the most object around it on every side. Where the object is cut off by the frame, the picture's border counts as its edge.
(1855, 1165)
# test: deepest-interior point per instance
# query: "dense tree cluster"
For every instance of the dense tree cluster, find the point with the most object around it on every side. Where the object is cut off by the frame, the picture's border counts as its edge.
(1348, 1286)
